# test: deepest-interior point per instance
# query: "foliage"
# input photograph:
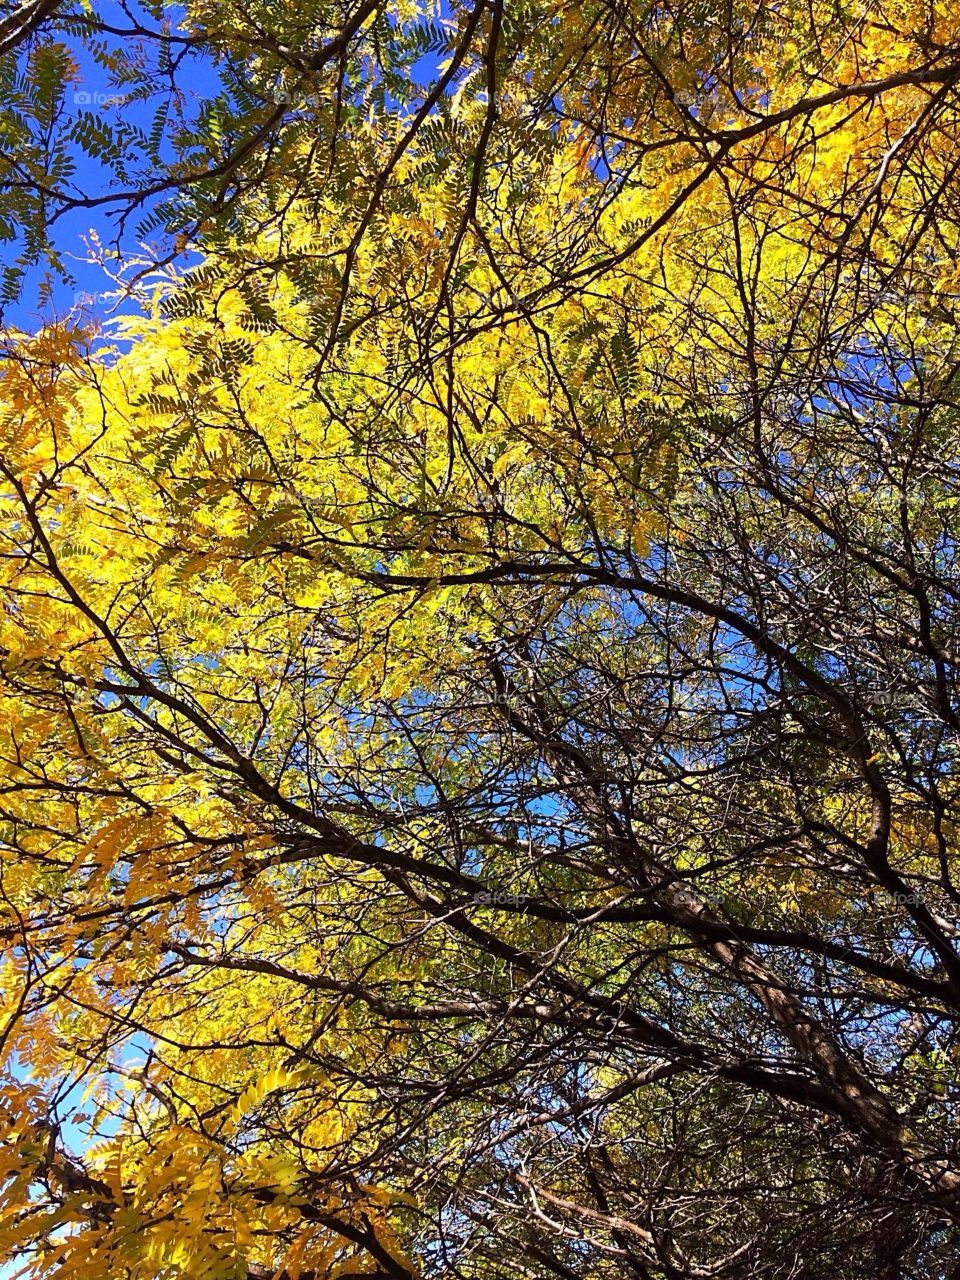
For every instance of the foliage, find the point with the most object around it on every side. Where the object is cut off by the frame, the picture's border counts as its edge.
(478, 658)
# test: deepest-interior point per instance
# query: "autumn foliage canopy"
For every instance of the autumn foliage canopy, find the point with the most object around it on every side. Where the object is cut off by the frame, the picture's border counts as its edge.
(480, 641)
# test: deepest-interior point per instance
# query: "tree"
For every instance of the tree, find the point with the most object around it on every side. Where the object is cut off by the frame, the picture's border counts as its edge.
(479, 669)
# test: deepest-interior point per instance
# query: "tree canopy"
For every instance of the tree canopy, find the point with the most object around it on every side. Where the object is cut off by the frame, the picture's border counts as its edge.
(479, 651)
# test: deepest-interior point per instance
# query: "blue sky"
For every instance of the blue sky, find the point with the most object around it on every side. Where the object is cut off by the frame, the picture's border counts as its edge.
(94, 91)
(74, 232)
